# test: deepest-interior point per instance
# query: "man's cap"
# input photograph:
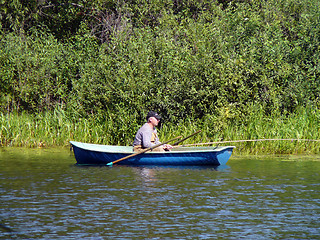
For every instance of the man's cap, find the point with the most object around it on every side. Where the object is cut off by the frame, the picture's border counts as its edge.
(153, 114)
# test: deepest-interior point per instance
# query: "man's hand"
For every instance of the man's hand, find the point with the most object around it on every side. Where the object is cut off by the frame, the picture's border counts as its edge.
(167, 147)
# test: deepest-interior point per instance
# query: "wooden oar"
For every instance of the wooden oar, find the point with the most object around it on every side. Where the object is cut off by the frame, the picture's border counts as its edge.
(180, 141)
(143, 151)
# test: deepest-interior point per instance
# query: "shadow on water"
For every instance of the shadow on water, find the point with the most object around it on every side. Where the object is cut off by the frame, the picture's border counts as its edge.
(155, 176)
(5, 228)
(191, 167)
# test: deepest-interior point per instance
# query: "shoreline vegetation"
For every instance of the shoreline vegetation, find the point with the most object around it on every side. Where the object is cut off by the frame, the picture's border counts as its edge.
(47, 130)
(90, 71)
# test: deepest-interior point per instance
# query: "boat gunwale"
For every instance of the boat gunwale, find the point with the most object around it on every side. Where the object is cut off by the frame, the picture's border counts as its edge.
(175, 151)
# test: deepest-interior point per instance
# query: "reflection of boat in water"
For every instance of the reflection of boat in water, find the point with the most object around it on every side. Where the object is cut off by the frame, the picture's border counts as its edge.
(182, 167)
(86, 153)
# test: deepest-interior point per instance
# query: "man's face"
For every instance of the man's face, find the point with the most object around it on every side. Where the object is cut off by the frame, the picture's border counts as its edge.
(154, 121)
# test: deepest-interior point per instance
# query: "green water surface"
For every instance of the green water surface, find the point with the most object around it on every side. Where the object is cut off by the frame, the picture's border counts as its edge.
(44, 195)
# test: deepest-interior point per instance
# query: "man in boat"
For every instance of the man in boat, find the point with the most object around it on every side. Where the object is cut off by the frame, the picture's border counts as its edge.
(147, 135)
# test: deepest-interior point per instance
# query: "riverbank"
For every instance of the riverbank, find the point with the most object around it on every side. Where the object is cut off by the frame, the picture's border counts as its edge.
(287, 135)
(188, 61)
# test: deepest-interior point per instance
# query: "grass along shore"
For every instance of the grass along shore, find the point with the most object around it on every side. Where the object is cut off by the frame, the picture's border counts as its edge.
(56, 129)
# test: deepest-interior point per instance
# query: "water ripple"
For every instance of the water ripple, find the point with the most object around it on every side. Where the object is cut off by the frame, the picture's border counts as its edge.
(61, 201)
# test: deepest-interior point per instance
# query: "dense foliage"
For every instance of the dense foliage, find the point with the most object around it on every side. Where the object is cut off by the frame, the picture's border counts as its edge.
(215, 63)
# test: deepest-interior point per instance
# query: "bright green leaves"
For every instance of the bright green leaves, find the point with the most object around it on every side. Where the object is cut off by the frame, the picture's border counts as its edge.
(186, 59)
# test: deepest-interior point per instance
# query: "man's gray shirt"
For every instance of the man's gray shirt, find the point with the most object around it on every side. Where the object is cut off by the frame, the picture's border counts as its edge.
(143, 136)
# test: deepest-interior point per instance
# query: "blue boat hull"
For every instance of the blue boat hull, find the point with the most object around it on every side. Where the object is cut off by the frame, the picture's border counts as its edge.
(103, 154)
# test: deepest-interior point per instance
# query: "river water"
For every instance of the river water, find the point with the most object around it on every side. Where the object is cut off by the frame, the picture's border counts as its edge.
(44, 195)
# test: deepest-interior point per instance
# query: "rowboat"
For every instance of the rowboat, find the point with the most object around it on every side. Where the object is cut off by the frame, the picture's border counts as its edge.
(93, 154)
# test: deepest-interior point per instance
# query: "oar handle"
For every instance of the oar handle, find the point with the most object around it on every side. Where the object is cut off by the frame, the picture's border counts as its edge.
(143, 151)
(180, 141)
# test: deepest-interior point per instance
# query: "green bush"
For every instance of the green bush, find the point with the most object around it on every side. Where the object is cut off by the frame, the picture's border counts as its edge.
(110, 62)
